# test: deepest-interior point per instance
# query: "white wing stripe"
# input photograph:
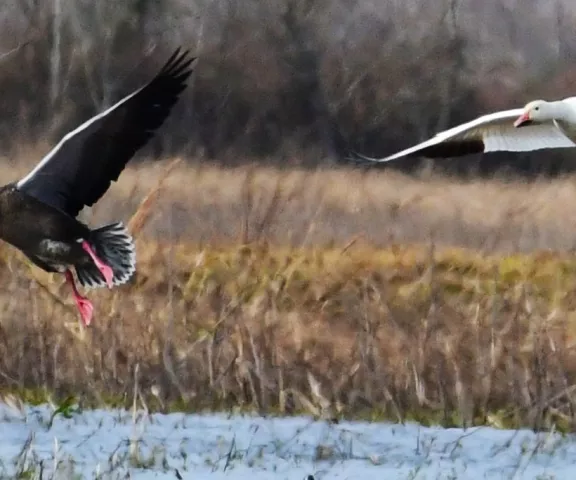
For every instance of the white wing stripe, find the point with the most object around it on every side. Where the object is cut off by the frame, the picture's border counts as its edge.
(475, 127)
(69, 135)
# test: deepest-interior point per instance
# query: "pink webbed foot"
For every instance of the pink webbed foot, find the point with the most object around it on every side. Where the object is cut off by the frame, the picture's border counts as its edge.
(106, 271)
(84, 305)
(86, 309)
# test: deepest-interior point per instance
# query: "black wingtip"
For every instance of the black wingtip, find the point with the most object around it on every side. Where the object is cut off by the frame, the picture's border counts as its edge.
(171, 59)
(178, 62)
(175, 72)
(360, 160)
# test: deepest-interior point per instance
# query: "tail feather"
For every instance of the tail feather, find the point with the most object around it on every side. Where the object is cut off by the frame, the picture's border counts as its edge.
(89, 276)
(115, 247)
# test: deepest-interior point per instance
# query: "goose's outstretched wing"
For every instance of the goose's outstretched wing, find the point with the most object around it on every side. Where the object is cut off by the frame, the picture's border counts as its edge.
(488, 133)
(80, 169)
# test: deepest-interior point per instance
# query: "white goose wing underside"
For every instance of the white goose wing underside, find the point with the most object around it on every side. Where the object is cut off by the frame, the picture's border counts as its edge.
(488, 133)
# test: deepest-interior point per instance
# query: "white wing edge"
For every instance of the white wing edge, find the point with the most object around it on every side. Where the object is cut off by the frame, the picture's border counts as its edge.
(69, 135)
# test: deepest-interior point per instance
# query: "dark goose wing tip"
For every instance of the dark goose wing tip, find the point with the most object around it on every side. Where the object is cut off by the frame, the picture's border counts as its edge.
(445, 149)
(361, 160)
(452, 148)
(178, 63)
(81, 168)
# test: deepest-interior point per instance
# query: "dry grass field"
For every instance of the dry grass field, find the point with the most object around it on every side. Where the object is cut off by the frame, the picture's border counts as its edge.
(336, 292)
(208, 205)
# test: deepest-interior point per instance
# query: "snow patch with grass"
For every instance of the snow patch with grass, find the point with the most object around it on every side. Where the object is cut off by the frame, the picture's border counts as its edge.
(63, 442)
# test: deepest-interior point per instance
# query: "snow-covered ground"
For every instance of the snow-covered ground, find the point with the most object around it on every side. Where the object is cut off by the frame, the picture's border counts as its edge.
(117, 444)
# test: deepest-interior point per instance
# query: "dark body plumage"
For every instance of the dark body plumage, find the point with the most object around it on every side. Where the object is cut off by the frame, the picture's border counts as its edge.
(37, 228)
(37, 213)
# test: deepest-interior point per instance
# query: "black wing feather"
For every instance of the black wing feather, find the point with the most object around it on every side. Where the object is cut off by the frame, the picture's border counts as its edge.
(452, 148)
(448, 149)
(80, 169)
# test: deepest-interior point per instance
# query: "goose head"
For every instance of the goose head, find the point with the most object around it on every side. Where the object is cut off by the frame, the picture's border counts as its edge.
(536, 111)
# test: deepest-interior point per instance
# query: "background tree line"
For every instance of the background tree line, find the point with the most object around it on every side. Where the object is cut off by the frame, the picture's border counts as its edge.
(291, 81)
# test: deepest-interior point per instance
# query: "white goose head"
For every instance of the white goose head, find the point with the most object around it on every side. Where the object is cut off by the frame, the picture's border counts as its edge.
(537, 111)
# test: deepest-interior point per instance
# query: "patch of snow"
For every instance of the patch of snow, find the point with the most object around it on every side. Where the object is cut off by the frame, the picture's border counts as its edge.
(111, 444)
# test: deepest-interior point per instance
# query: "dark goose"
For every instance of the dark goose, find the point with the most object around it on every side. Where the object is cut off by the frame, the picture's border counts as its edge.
(38, 213)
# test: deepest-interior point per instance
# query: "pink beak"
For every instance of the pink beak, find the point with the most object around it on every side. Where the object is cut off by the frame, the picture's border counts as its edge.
(525, 117)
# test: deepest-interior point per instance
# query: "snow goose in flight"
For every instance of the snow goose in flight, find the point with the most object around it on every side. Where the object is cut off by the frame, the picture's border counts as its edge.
(539, 125)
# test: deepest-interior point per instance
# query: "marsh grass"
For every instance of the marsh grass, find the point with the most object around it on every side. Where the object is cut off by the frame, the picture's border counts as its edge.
(265, 290)
(444, 337)
(205, 204)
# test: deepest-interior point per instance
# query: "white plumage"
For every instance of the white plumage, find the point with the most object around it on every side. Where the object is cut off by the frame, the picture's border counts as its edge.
(539, 125)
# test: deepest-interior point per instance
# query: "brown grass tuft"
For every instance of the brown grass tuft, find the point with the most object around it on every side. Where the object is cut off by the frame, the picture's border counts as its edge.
(204, 204)
(144, 210)
(451, 337)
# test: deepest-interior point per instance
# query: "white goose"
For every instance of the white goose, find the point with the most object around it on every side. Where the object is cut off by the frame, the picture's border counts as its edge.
(544, 125)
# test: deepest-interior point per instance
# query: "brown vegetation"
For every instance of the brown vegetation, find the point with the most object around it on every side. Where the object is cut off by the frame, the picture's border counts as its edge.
(204, 205)
(269, 299)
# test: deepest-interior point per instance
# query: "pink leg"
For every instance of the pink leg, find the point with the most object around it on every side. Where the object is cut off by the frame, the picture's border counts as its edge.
(104, 269)
(84, 306)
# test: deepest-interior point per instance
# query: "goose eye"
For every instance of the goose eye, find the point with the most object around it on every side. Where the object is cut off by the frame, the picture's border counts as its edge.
(537, 108)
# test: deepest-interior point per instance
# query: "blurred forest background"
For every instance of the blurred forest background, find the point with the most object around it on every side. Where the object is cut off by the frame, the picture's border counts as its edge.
(291, 82)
